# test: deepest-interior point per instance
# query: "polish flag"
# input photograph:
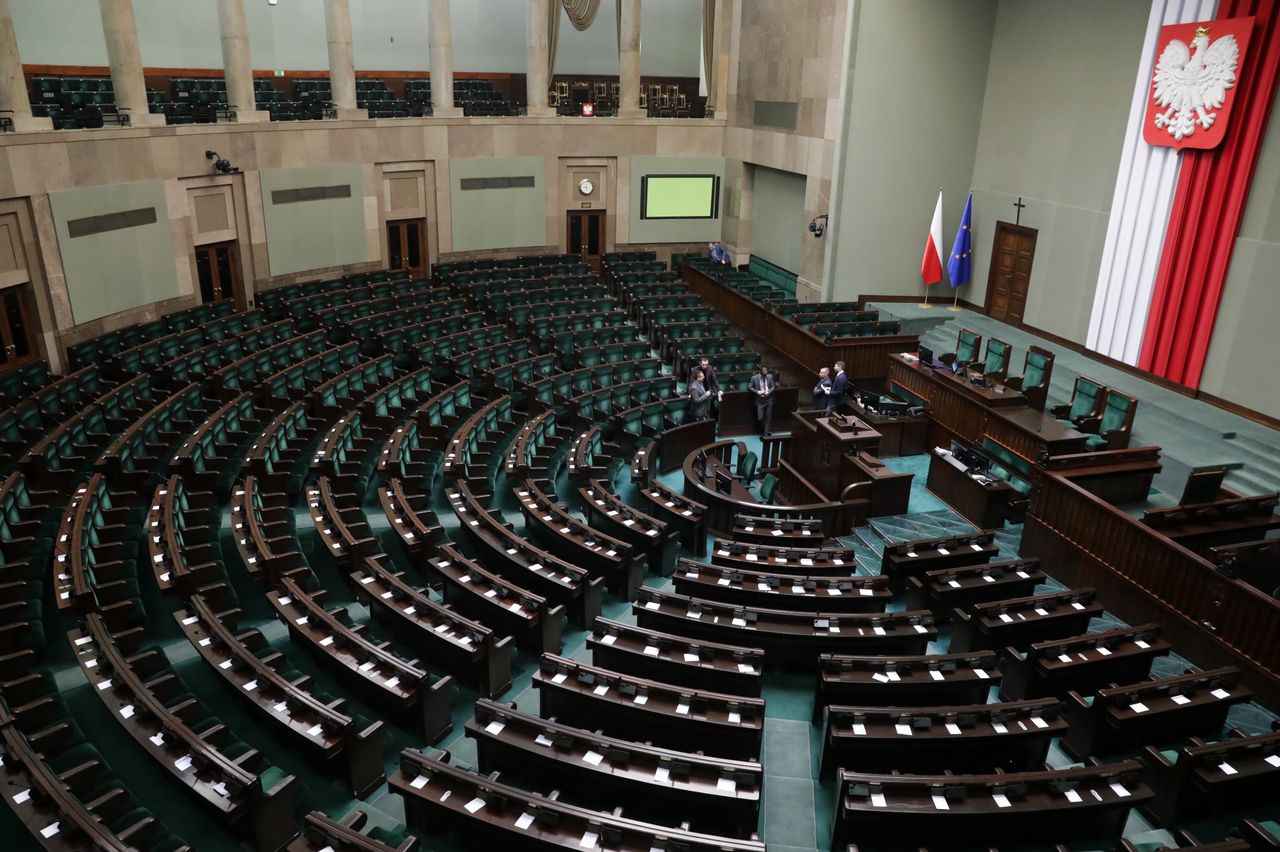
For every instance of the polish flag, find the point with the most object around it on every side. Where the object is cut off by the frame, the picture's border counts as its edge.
(931, 266)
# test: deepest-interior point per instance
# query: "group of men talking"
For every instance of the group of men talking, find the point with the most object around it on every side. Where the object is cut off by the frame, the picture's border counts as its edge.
(704, 391)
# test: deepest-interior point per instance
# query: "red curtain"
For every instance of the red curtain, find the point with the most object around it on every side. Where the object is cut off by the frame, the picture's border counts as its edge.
(1213, 187)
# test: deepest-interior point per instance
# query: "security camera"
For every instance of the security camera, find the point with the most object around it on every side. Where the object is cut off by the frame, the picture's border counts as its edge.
(221, 165)
(818, 225)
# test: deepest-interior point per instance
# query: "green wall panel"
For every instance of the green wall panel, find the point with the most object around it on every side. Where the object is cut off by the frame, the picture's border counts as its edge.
(120, 268)
(314, 234)
(778, 225)
(510, 217)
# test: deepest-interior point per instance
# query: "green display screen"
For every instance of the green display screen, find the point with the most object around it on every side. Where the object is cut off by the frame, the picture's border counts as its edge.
(679, 196)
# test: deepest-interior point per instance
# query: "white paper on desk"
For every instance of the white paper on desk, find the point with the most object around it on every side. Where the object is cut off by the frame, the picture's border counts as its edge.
(882, 678)
(602, 689)
(982, 674)
(763, 587)
(662, 774)
(1072, 796)
(727, 785)
(1040, 611)
(50, 830)
(911, 554)
(682, 709)
(940, 802)
(1077, 605)
(1227, 768)
(776, 532)
(806, 561)
(836, 561)
(495, 727)
(902, 730)
(1001, 800)
(1179, 699)
(1005, 617)
(746, 669)
(953, 729)
(524, 821)
(955, 584)
(608, 639)
(475, 804)
(1119, 790)
(1038, 722)
(419, 782)
(944, 551)
(1064, 658)
(1024, 575)
(894, 676)
(592, 757)
(640, 699)
(723, 581)
(976, 547)
(735, 718)
(877, 800)
(314, 730)
(859, 730)
(879, 631)
(560, 677)
(937, 675)
(1138, 707)
(1273, 760)
(987, 578)
(797, 590)
(1141, 644)
(738, 622)
(999, 728)
(652, 605)
(691, 658)
(1220, 693)
(543, 740)
(1106, 652)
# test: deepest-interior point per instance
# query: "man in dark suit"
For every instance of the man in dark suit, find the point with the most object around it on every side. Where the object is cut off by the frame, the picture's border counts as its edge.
(835, 400)
(822, 389)
(710, 382)
(763, 385)
(699, 398)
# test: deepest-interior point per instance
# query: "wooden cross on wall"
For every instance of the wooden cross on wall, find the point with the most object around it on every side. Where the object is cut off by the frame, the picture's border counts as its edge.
(1019, 205)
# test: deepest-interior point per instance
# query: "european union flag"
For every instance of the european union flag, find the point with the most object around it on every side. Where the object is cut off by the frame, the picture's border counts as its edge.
(962, 251)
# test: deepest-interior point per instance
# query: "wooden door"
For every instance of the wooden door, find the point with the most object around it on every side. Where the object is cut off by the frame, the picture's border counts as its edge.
(17, 328)
(218, 272)
(585, 237)
(407, 246)
(1011, 255)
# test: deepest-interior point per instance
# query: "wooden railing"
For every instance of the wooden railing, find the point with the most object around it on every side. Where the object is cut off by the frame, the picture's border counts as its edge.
(864, 357)
(1143, 575)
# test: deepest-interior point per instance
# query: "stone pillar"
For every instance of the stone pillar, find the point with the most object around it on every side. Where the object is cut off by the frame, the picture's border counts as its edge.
(126, 63)
(236, 65)
(441, 39)
(629, 60)
(13, 86)
(536, 79)
(342, 65)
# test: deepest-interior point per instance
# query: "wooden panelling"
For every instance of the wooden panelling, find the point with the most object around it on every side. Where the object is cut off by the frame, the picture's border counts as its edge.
(1144, 576)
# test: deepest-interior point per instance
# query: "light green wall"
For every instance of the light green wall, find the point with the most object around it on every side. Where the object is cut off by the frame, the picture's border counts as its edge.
(674, 230)
(117, 270)
(914, 101)
(1052, 131)
(778, 225)
(498, 218)
(314, 234)
(1244, 351)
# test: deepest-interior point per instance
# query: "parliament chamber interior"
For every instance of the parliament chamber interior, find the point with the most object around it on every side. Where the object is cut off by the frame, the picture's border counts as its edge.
(531, 424)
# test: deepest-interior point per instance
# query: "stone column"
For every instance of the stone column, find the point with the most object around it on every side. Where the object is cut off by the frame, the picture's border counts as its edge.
(236, 65)
(629, 61)
(342, 65)
(126, 63)
(13, 86)
(535, 73)
(441, 40)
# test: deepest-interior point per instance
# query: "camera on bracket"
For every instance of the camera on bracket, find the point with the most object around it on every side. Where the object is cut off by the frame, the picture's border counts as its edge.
(818, 225)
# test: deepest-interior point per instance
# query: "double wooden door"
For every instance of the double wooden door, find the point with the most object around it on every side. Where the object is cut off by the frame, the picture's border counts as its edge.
(407, 246)
(585, 236)
(1012, 253)
(17, 328)
(218, 271)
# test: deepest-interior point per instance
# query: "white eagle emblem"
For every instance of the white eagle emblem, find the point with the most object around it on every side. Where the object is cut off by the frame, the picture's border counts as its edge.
(1189, 85)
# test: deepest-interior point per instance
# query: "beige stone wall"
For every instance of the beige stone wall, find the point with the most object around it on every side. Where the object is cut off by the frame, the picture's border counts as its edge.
(35, 164)
(785, 51)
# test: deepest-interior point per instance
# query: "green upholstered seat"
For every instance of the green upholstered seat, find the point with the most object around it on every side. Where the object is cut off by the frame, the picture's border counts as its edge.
(1095, 442)
(1271, 827)
(747, 467)
(967, 345)
(768, 486)
(1170, 754)
(1115, 413)
(1035, 372)
(997, 361)
(1084, 400)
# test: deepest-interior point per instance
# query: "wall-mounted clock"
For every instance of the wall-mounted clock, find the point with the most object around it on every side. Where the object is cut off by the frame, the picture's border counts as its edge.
(586, 187)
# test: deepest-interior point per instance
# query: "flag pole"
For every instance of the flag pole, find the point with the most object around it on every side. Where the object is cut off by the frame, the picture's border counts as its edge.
(925, 304)
(955, 303)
